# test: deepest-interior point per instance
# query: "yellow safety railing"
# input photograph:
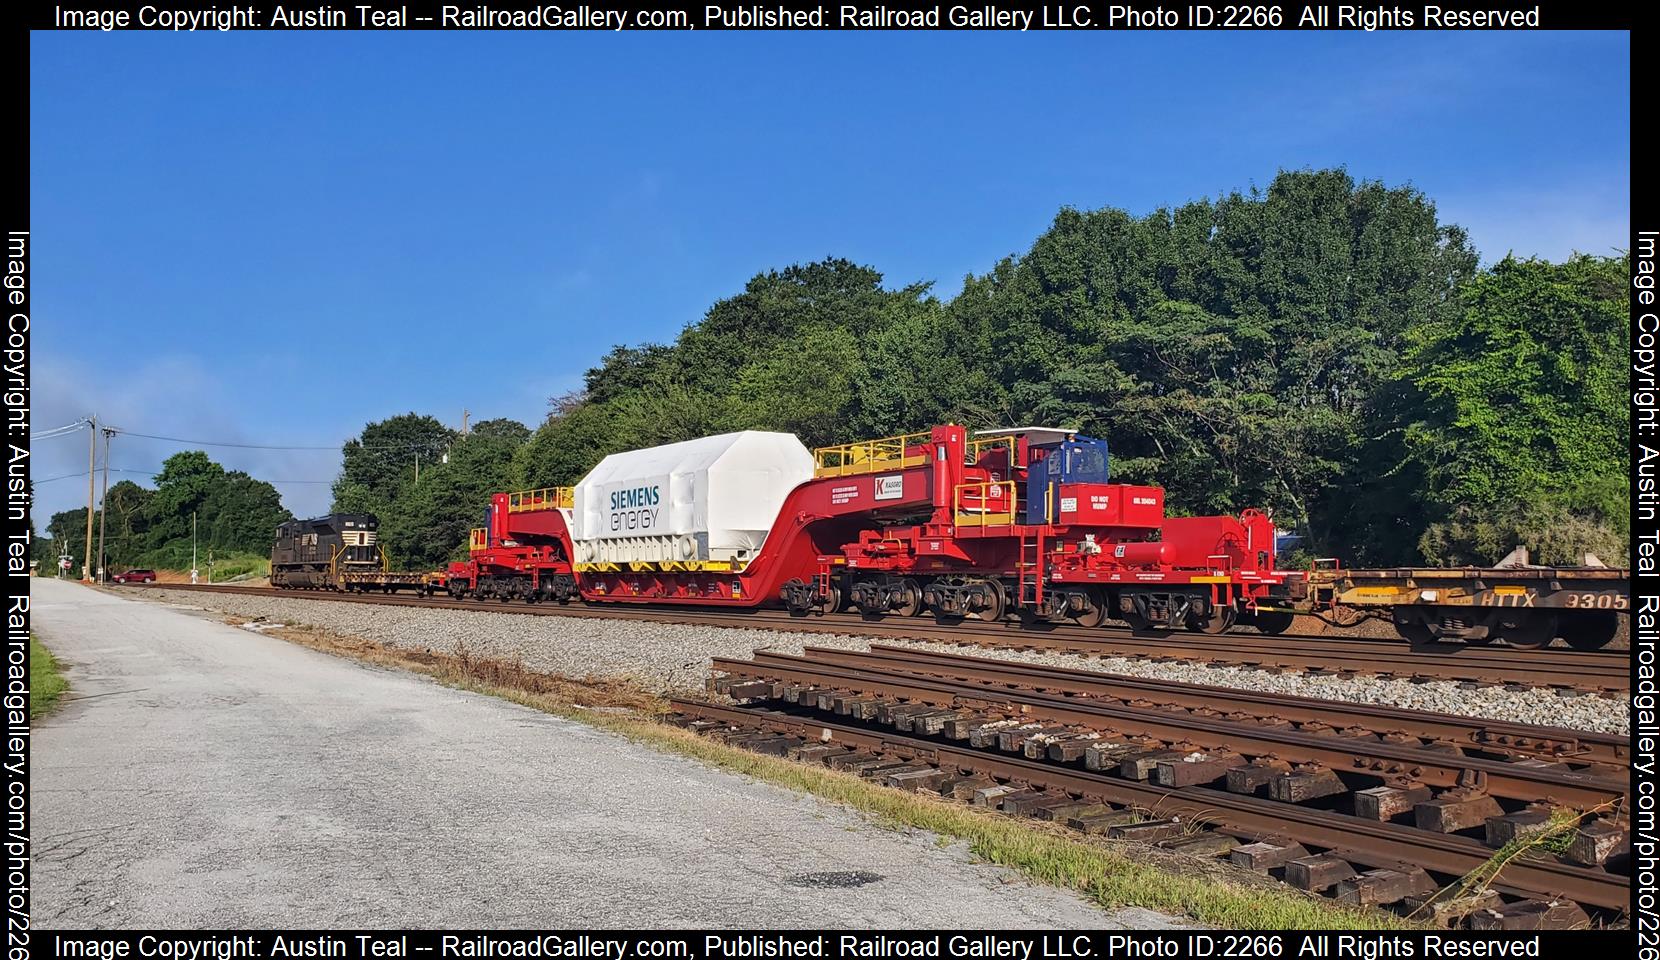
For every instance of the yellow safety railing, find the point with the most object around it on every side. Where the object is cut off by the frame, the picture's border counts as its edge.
(977, 449)
(478, 539)
(547, 498)
(985, 491)
(869, 456)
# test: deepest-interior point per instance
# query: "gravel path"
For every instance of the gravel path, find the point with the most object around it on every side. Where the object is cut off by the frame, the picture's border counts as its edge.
(664, 657)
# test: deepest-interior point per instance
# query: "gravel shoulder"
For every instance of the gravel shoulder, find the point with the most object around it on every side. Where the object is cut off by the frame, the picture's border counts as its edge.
(207, 776)
(675, 658)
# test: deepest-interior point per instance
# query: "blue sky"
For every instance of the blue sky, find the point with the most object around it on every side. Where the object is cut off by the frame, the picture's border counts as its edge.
(273, 238)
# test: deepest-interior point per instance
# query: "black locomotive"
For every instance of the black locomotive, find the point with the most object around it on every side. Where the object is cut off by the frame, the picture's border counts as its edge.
(318, 553)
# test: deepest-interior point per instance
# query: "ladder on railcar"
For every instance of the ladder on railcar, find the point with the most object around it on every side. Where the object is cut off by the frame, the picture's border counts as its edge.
(1029, 571)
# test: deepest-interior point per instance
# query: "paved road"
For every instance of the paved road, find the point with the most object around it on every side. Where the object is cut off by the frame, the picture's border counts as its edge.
(204, 775)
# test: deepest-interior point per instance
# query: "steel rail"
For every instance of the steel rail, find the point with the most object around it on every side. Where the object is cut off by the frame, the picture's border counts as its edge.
(1599, 670)
(1373, 843)
(1529, 784)
(1491, 735)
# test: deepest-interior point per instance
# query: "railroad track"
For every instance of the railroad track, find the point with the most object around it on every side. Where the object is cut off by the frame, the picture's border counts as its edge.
(1268, 709)
(1598, 671)
(1373, 805)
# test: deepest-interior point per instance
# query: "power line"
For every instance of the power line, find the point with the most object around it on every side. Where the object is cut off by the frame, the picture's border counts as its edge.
(62, 431)
(417, 445)
(152, 473)
(70, 428)
(213, 443)
(67, 476)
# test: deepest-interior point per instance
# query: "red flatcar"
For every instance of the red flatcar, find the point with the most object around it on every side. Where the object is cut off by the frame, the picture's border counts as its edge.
(1020, 521)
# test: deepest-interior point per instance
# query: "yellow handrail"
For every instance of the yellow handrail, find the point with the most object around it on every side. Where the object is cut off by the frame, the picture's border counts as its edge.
(984, 517)
(977, 449)
(869, 456)
(547, 498)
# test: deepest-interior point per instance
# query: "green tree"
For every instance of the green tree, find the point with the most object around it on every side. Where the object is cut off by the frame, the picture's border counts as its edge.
(234, 513)
(567, 445)
(67, 532)
(428, 524)
(1230, 350)
(788, 353)
(807, 386)
(625, 369)
(776, 308)
(127, 528)
(1517, 419)
(1324, 347)
(242, 514)
(380, 464)
(182, 488)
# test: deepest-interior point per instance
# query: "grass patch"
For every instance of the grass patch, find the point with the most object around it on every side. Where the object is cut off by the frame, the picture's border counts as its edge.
(46, 683)
(1554, 837)
(236, 568)
(1109, 874)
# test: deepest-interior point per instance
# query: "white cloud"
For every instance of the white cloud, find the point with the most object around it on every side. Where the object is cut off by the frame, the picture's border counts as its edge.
(176, 396)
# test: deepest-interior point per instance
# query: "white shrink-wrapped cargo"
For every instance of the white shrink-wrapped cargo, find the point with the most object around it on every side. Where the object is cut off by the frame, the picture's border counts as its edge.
(698, 505)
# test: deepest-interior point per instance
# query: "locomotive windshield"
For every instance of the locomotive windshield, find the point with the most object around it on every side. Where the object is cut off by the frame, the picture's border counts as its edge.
(1086, 463)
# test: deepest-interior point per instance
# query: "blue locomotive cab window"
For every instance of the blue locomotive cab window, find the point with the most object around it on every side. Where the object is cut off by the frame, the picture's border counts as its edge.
(1086, 462)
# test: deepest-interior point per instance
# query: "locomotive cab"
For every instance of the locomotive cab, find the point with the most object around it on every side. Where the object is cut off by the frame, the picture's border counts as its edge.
(1062, 478)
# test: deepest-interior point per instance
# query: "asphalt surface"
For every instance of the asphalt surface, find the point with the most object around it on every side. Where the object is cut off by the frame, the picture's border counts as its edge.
(202, 775)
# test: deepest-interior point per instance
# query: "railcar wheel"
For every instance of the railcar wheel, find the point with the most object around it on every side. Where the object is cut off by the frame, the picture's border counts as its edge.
(1139, 623)
(1417, 634)
(1589, 631)
(1219, 620)
(997, 605)
(1093, 617)
(833, 599)
(911, 605)
(1526, 632)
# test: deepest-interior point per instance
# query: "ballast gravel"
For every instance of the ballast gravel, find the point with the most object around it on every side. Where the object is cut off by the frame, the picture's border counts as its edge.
(675, 658)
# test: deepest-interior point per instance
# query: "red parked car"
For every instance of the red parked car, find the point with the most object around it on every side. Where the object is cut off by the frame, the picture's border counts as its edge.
(136, 576)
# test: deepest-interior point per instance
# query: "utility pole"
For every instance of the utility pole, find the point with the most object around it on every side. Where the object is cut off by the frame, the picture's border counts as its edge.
(464, 413)
(417, 466)
(103, 502)
(192, 546)
(91, 489)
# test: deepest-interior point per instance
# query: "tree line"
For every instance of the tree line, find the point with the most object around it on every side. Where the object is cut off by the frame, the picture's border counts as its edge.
(1324, 348)
(234, 515)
